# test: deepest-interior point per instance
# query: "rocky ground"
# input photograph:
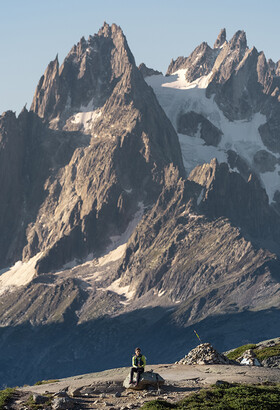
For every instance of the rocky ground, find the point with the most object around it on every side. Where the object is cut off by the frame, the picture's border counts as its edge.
(105, 389)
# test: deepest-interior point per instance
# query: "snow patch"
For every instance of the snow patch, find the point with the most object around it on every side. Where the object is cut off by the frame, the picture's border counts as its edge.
(18, 275)
(271, 181)
(86, 118)
(199, 199)
(112, 256)
(121, 290)
(180, 82)
(195, 152)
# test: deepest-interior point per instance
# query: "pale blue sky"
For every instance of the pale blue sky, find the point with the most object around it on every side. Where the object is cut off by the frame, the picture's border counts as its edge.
(32, 32)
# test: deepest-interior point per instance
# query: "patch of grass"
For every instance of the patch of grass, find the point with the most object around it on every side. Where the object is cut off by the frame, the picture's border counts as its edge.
(268, 352)
(239, 351)
(229, 396)
(5, 396)
(234, 397)
(46, 382)
(158, 405)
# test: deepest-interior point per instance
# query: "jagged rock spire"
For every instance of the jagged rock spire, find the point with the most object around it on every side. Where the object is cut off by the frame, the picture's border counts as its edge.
(238, 40)
(222, 37)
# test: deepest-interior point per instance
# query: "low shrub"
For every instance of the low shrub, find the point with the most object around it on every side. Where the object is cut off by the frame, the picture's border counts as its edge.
(240, 350)
(5, 396)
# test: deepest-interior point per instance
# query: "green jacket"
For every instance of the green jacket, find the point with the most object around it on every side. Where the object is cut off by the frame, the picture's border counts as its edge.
(139, 361)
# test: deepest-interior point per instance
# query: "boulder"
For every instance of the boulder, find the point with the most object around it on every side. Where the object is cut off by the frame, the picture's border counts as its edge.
(273, 361)
(62, 403)
(39, 399)
(249, 358)
(147, 379)
(75, 392)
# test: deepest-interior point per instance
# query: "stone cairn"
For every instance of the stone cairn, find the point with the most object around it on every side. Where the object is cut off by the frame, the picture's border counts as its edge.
(205, 354)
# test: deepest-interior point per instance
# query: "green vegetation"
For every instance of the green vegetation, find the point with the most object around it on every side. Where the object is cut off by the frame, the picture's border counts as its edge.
(261, 353)
(158, 405)
(239, 351)
(5, 396)
(225, 397)
(268, 352)
(46, 382)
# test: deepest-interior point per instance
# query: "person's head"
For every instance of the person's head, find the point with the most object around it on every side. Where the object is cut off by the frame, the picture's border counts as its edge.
(137, 351)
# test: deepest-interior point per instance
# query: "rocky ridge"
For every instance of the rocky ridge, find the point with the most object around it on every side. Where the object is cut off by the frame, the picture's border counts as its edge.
(147, 72)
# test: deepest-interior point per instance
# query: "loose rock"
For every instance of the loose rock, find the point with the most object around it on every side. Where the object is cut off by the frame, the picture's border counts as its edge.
(273, 361)
(75, 392)
(38, 399)
(205, 354)
(62, 403)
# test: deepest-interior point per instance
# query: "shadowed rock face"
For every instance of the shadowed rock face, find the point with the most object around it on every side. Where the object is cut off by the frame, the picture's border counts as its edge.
(11, 182)
(265, 161)
(245, 203)
(147, 72)
(196, 125)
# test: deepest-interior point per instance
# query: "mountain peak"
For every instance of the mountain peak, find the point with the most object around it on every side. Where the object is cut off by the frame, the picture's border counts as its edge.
(238, 40)
(108, 31)
(221, 39)
(85, 78)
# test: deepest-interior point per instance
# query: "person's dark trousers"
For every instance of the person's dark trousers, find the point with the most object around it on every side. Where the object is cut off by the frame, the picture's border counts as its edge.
(139, 371)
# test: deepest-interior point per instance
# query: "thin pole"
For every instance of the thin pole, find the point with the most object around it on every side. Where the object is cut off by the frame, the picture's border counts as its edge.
(197, 336)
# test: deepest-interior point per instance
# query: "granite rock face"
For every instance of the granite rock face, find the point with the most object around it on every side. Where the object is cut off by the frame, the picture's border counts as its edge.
(221, 39)
(175, 237)
(245, 203)
(97, 169)
(88, 75)
(198, 64)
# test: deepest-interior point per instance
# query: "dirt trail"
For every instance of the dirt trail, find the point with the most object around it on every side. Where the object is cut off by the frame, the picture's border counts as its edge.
(104, 389)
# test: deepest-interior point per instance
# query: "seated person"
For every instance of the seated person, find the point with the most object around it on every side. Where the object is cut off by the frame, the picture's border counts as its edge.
(138, 363)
